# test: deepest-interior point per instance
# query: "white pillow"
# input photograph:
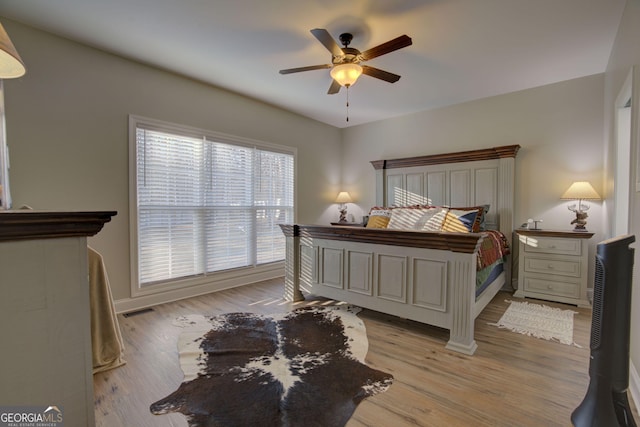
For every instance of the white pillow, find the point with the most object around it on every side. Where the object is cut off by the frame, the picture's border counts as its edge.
(417, 218)
(434, 219)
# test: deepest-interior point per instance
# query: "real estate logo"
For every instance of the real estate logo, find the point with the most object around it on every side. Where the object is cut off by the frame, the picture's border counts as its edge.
(31, 416)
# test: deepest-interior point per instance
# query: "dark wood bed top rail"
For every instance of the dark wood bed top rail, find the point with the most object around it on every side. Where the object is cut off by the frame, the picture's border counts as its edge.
(462, 156)
(455, 242)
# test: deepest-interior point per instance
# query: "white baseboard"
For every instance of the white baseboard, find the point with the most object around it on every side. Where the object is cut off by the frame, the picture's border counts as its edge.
(126, 305)
(634, 384)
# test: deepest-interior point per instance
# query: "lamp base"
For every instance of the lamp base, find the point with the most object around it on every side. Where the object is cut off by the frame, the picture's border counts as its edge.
(580, 221)
(343, 215)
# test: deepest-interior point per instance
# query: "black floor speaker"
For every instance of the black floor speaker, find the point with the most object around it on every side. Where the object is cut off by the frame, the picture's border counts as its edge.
(606, 403)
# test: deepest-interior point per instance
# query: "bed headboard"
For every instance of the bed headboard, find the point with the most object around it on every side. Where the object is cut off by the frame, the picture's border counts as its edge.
(467, 178)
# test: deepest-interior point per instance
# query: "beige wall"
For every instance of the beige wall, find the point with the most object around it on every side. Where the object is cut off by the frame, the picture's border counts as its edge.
(625, 55)
(559, 127)
(67, 134)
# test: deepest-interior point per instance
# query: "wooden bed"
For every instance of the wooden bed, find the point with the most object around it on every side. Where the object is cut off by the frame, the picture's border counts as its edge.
(429, 277)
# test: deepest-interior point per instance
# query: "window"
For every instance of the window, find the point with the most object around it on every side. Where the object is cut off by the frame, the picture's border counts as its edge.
(207, 203)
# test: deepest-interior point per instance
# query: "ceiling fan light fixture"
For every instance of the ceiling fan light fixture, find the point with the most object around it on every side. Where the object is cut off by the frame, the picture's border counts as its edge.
(346, 74)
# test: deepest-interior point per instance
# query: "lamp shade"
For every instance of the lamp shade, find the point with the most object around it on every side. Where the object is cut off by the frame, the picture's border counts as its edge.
(343, 197)
(11, 65)
(346, 74)
(581, 190)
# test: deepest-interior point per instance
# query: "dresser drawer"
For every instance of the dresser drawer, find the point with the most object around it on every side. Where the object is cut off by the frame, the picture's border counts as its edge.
(552, 245)
(549, 287)
(560, 267)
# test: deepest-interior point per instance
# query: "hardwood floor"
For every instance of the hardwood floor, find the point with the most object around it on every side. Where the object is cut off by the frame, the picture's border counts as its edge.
(512, 380)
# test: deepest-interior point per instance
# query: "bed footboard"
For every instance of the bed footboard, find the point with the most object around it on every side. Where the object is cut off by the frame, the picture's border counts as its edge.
(421, 276)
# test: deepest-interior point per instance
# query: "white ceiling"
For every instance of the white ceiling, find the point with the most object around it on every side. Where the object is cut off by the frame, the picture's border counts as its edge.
(462, 49)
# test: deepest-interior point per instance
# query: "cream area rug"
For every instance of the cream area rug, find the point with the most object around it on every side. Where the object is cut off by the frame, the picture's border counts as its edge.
(539, 321)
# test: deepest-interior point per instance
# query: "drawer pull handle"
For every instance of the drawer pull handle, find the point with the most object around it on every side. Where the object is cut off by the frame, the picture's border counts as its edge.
(550, 266)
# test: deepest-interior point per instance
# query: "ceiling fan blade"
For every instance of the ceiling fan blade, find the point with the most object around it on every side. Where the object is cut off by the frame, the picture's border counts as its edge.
(384, 48)
(325, 38)
(380, 74)
(309, 68)
(334, 88)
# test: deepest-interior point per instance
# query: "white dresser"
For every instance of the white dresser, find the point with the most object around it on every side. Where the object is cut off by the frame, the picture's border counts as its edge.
(45, 327)
(553, 265)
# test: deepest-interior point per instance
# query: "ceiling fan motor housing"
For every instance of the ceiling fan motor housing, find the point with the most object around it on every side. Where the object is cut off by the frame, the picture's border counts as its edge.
(350, 55)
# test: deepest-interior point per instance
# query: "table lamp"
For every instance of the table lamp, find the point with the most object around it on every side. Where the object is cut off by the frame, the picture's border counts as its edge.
(580, 190)
(11, 66)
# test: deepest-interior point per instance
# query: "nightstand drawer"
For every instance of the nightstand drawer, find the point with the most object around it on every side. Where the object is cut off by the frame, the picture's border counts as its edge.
(556, 266)
(551, 245)
(543, 286)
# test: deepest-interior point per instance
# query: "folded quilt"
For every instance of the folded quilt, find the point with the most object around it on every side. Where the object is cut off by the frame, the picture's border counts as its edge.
(493, 247)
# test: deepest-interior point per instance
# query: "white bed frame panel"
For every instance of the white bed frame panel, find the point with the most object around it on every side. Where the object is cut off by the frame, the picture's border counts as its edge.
(423, 276)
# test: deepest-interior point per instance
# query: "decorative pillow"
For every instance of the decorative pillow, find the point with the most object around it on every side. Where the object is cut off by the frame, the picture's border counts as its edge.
(463, 220)
(379, 217)
(481, 216)
(407, 218)
(433, 219)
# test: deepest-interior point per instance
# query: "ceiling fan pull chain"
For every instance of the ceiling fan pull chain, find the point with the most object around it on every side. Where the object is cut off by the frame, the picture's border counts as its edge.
(347, 103)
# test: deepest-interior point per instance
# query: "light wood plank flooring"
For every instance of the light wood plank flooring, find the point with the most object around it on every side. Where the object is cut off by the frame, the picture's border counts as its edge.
(512, 380)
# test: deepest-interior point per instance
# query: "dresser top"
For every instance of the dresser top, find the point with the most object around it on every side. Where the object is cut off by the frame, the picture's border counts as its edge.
(29, 225)
(555, 233)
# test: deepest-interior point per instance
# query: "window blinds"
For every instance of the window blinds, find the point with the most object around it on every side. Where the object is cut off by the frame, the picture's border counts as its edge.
(206, 206)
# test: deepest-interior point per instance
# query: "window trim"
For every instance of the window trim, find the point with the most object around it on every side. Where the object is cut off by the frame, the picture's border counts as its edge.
(210, 281)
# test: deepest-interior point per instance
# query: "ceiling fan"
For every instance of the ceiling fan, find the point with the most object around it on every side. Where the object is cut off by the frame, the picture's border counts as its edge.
(345, 61)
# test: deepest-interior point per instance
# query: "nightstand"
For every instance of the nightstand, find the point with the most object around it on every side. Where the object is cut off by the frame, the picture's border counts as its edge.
(553, 265)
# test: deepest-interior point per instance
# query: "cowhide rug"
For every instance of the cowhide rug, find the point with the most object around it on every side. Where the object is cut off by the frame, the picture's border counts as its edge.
(303, 368)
